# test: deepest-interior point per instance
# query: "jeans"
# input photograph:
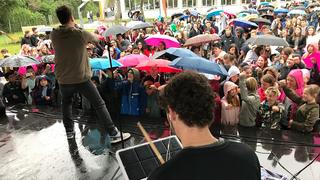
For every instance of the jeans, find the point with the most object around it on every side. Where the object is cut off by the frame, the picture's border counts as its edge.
(89, 91)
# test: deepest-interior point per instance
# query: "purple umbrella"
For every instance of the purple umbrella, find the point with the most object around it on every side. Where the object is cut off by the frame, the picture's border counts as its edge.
(155, 40)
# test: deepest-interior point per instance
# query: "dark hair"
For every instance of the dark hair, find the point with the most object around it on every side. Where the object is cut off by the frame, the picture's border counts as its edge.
(268, 78)
(296, 55)
(34, 29)
(191, 97)
(64, 14)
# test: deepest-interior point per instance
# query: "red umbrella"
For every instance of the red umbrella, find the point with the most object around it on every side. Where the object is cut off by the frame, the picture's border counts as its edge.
(161, 64)
(133, 59)
(201, 39)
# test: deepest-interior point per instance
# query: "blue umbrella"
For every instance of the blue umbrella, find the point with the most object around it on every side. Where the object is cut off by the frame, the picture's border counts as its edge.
(194, 13)
(281, 10)
(244, 23)
(183, 17)
(199, 64)
(103, 63)
(265, 3)
(297, 12)
(241, 15)
(173, 53)
(215, 12)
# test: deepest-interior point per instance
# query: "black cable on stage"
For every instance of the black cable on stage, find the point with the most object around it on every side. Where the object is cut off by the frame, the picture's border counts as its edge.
(115, 173)
(277, 160)
(311, 162)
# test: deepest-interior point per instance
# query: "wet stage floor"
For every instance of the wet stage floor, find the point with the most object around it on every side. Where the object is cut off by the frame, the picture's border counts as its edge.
(34, 146)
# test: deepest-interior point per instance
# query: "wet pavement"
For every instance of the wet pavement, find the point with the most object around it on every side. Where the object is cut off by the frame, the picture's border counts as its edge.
(34, 146)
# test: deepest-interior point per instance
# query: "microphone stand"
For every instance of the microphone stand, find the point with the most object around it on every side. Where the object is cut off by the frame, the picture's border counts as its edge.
(112, 78)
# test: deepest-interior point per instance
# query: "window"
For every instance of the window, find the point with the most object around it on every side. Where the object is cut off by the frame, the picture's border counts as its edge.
(148, 4)
(228, 2)
(172, 3)
(246, 1)
(189, 3)
(208, 2)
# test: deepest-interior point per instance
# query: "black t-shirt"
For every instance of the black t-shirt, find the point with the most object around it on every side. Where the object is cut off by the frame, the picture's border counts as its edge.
(222, 161)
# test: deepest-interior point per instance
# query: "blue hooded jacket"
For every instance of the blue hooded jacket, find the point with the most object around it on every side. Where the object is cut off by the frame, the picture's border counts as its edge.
(133, 96)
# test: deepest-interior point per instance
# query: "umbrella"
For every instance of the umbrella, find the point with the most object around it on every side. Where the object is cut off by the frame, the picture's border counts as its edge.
(138, 25)
(244, 23)
(313, 5)
(230, 15)
(194, 13)
(175, 15)
(173, 53)
(250, 17)
(49, 59)
(266, 9)
(103, 63)
(45, 29)
(242, 15)
(281, 10)
(114, 30)
(199, 64)
(265, 4)
(133, 60)
(161, 65)
(201, 39)
(18, 61)
(299, 8)
(250, 11)
(155, 40)
(297, 12)
(261, 20)
(215, 12)
(267, 40)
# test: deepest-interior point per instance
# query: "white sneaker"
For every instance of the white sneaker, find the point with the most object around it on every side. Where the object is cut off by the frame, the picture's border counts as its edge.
(117, 137)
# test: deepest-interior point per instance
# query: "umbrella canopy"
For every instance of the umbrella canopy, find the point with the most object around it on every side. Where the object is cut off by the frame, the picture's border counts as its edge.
(312, 5)
(199, 64)
(244, 23)
(173, 53)
(133, 60)
(138, 25)
(281, 10)
(267, 40)
(49, 59)
(161, 65)
(175, 15)
(194, 13)
(265, 3)
(250, 11)
(261, 20)
(265, 9)
(242, 15)
(230, 15)
(114, 30)
(201, 39)
(45, 29)
(250, 17)
(297, 12)
(215, 12)
(18, 61)
(103, 63)
(155, 40)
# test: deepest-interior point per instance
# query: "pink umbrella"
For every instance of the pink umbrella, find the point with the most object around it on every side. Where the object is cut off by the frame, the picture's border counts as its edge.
(308, 60)
(133, 60)
(161, 65)
(155, 40)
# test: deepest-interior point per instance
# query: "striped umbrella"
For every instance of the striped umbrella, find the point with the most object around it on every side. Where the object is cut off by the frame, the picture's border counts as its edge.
(201, 39)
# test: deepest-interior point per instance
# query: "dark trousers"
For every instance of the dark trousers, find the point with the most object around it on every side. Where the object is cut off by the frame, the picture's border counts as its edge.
(88, 90)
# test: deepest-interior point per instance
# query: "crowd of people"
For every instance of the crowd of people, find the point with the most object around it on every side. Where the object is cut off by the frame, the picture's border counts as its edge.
(266, 86)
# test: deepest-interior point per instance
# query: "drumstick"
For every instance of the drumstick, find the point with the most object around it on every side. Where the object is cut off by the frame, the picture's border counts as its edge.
(153, 147)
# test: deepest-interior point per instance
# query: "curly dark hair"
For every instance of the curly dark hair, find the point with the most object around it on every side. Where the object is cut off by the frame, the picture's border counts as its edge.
(189, 94)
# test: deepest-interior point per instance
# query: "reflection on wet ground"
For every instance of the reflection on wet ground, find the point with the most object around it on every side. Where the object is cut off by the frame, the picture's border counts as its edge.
(33, 145)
